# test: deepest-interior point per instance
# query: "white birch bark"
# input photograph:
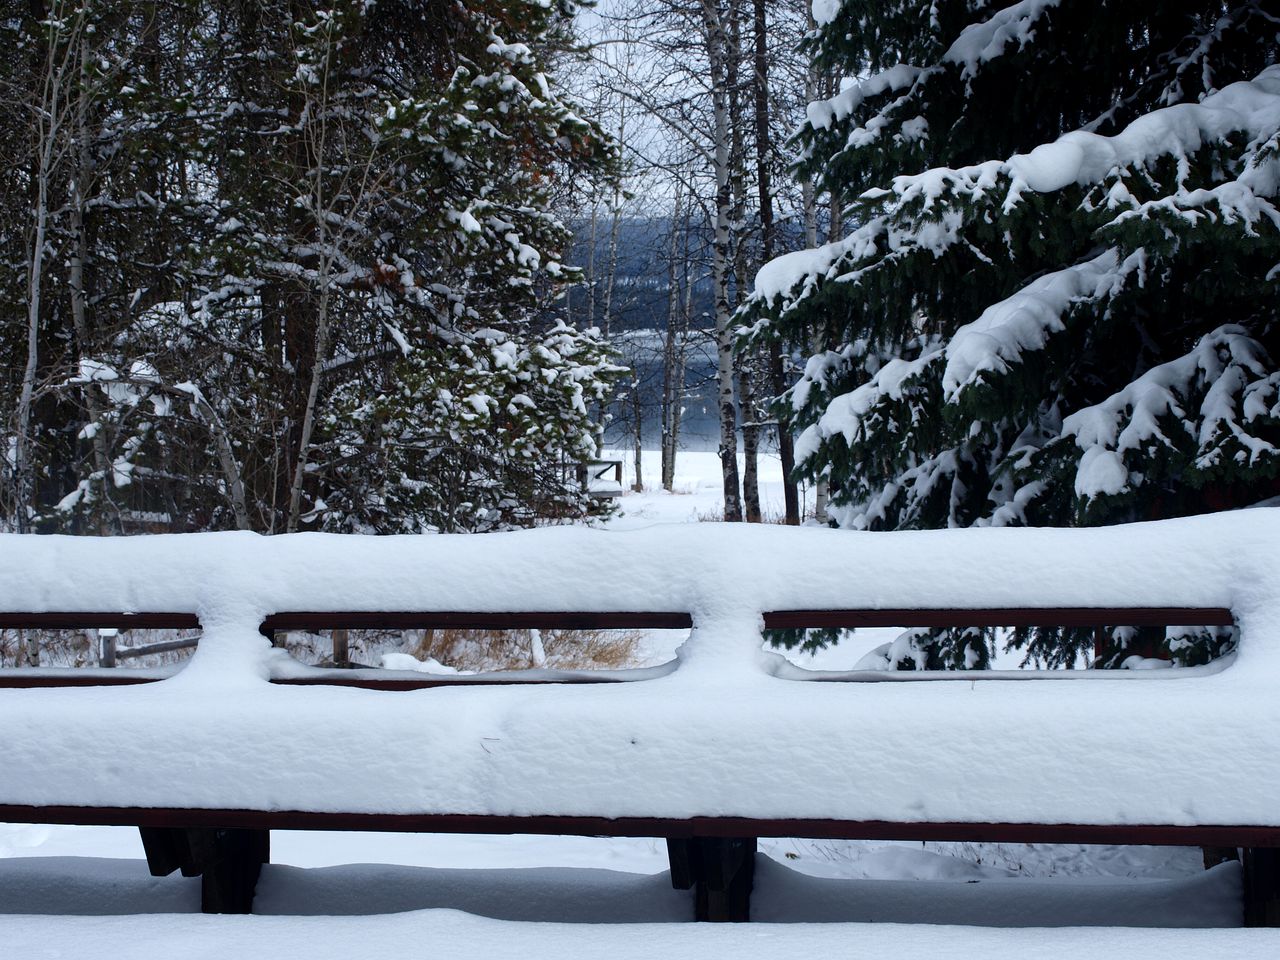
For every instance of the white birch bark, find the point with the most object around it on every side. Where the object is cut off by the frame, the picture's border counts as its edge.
(717, 56)
(672, 348)
(60, 70)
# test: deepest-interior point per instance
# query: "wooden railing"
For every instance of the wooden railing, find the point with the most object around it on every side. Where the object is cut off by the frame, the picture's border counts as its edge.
(317, 621)
(713, 854)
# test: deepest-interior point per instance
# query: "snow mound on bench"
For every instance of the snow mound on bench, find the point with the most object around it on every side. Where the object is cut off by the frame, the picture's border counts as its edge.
(721, 735)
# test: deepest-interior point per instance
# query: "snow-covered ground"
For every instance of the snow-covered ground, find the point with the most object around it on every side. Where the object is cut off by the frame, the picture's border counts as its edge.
(78, 891)
(697, 492)
(49, 871)
(461, 936)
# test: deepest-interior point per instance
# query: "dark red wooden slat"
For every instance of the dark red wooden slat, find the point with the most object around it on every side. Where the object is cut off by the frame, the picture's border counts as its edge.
(1001, 617)
(1156, 834)
(671, 620)
(467, 620)
(426, 683)
(14, 679)
(80, 619)
(580, 620)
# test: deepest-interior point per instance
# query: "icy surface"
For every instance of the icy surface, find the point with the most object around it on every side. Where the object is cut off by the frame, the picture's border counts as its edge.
(722, 734)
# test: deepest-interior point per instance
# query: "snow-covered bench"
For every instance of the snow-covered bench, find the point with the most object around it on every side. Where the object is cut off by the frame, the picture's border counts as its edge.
(727, 744)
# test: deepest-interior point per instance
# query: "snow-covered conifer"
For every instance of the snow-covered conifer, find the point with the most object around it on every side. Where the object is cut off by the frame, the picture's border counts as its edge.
(1056, 299)
(322, 240)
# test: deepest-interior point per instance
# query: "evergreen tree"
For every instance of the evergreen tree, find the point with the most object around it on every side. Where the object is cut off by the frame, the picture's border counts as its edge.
(324, 271)
(1058, 302)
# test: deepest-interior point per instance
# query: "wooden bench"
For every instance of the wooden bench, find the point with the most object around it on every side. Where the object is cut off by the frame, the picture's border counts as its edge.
(711, 855)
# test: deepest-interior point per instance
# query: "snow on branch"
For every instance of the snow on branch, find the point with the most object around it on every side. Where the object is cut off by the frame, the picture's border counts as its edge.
(929, 212)
(1026, 320)
(804, 268)
(1206, 401)
(845, 415)
(825, 11)
(1248, 107)
(822, 114)
(982, 42)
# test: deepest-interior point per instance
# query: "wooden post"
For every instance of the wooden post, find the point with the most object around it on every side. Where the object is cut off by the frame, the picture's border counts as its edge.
(1262, 886)
(721, 871)
(107, 647)
(1216, 855)
(228, 862)
(341, 649)
(167, 850)
(227, 884)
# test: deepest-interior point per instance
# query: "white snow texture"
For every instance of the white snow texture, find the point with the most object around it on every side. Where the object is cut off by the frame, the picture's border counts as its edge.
(728, 731)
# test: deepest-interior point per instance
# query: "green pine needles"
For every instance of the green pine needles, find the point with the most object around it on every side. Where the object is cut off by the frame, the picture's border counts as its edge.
(1056, 300)
(300, 267)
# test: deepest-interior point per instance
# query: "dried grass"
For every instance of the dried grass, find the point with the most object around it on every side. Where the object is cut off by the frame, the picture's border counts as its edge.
(473, 650)
(479, 651)
(487, 650)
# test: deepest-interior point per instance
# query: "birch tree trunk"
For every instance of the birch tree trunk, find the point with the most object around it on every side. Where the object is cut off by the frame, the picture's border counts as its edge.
(35, 267)
(309, 411)
(764, 157)
(590, 273)
(672, 386)
(615, 224)
(58, 68)
(322, 207)
(637, 412)
(682, 350)
(738, 188)
(717, 56)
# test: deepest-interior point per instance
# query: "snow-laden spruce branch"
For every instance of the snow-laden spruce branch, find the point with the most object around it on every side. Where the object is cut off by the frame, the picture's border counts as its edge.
(1205, 401)
(925, 212)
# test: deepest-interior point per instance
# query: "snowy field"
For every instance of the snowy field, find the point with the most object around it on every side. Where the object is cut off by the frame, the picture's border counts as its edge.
(85, 891)
(696, 493)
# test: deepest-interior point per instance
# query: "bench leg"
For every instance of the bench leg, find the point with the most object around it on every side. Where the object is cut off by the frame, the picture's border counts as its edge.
(720, 870)
(1261, 886)
(167, 850)
(228, 862)
(228, 881)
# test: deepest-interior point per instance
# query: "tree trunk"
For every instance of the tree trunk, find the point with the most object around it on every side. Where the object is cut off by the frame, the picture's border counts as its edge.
(615, 223)
(81, 184)
(682, 352)
(590, 273)
(764, 156)
(670, 391)
(750, 446)
(637, 412)
(309, 411)
(676, 340)
(717, 56)
(738, 187)
(22, 467)
(809, 202)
